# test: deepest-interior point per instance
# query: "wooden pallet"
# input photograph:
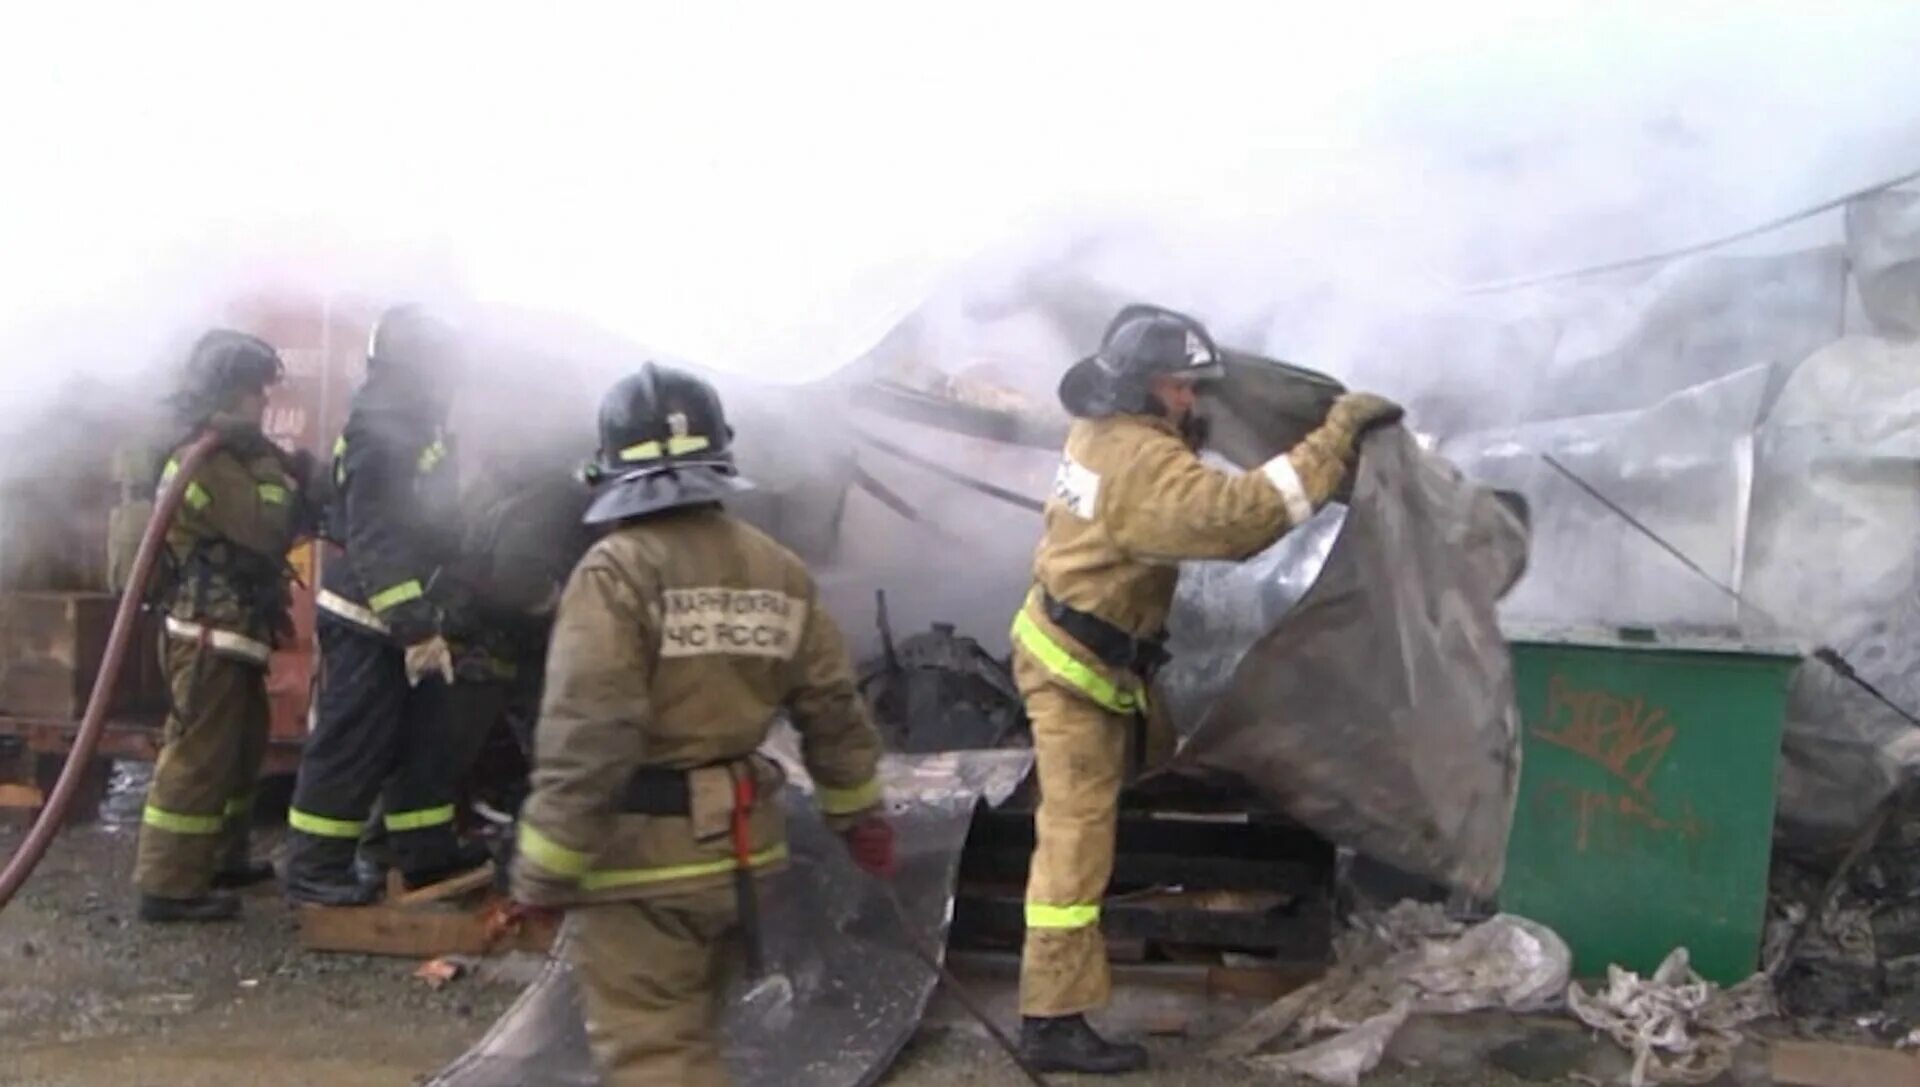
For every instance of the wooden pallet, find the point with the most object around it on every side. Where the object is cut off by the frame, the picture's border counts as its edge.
(460, 916)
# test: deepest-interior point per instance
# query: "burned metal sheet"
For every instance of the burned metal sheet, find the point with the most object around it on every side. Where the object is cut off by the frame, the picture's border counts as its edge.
(859, 993)
(1378, 708)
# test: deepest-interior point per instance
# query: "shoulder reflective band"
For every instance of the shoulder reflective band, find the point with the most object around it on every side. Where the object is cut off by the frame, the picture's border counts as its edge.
(226, 641)
(197, 496)
(339, 460)
(1042, 916)
(847, 801)
(549, 854)
(423, 819)
(272, 494)
(395, 595)
(604, 879)
(691, 443)
(432, 455)
(182, 824)
(1069, 669)
(322, 827)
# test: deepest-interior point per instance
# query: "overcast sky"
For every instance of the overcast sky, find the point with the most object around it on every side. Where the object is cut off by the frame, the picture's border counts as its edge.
(767, 187)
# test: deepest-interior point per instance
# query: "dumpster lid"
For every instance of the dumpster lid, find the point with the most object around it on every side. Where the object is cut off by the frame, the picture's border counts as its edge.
(1689, 640)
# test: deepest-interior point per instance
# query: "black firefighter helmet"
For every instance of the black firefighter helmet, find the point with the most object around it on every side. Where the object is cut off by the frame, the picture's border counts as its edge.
(1141, 342)
(223, 365)
(664, 444)
(416, 340)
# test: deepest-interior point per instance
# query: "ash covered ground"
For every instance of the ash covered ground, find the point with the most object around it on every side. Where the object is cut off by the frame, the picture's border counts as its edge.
(89, 996)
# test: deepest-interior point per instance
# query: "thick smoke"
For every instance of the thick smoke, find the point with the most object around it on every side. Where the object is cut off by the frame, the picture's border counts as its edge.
(777, 191)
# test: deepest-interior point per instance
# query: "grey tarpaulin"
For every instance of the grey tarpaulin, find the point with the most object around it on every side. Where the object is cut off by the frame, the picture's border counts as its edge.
(1883, 247)
(859, 992)
(1378, 710)
(1836, 517)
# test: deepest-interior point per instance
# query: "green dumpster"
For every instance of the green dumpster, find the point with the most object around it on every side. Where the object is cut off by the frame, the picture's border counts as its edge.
(1645, 815)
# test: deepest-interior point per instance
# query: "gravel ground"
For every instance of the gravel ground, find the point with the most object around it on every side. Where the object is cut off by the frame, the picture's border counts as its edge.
(91, 998)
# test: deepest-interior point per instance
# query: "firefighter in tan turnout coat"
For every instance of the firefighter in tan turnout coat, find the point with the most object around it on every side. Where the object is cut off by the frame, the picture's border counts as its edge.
(1132, 500)
(680, 636)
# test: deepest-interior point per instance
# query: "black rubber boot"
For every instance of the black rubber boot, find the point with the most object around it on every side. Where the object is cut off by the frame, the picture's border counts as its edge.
(369, 869)
(238, 868)
(246, 873)
(320, 872)
(208, 907)
(1067, 1044)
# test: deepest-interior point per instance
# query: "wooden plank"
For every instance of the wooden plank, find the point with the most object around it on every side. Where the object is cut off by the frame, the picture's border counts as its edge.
(412, 933)
(1828, 1064)
(465, 883)
(20, 796)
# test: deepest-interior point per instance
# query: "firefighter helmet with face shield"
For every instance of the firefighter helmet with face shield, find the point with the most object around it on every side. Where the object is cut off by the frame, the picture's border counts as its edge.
(664, 444)
(1141, 343)
(223, 366)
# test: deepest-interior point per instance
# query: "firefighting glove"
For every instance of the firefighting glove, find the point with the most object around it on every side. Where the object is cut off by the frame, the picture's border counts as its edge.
(429, 657)
(870, 840)
(1361, 413)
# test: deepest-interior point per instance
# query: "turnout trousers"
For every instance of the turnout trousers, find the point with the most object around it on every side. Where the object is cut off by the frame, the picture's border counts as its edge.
(374, 736)
(652, 973)
(1081, 757)
(201, 798)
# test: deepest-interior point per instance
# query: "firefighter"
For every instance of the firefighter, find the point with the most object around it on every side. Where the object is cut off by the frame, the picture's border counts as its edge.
(225, 601)
(681, 635)
(520, 540)
(1130, 501)
(380, 722)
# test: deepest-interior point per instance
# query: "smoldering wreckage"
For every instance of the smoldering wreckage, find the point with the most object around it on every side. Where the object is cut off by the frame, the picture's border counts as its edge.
(1709, 843)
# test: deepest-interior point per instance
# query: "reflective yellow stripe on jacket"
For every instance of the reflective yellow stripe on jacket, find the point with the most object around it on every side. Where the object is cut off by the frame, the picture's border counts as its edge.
(1068, 669)
(573, 864)
(394, 595)
(197, 497)
(850, 800)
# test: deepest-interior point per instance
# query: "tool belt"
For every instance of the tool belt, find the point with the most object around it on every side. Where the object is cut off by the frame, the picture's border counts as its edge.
(660, 790)
(1115, 647)
(656, 790)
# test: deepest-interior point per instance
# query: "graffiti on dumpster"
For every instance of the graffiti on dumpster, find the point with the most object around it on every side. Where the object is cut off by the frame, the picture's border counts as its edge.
(1625, 735)
(1628, 737)
(1615, 821)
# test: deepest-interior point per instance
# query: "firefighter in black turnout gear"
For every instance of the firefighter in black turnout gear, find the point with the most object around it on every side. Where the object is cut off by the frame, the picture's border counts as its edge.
(380, 726)
(223, 588)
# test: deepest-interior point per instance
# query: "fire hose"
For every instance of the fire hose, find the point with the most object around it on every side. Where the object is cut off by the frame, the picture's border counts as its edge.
(94, 721)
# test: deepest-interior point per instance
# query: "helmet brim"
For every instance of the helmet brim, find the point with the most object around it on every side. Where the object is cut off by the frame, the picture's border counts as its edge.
(655, 490)
(1087, 389)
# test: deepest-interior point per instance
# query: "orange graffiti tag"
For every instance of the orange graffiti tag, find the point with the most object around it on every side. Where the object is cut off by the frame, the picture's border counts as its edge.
(1624, 735)
(1614, 821)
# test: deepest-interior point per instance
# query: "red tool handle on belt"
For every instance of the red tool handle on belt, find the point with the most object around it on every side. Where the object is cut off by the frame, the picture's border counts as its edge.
(742, 807)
